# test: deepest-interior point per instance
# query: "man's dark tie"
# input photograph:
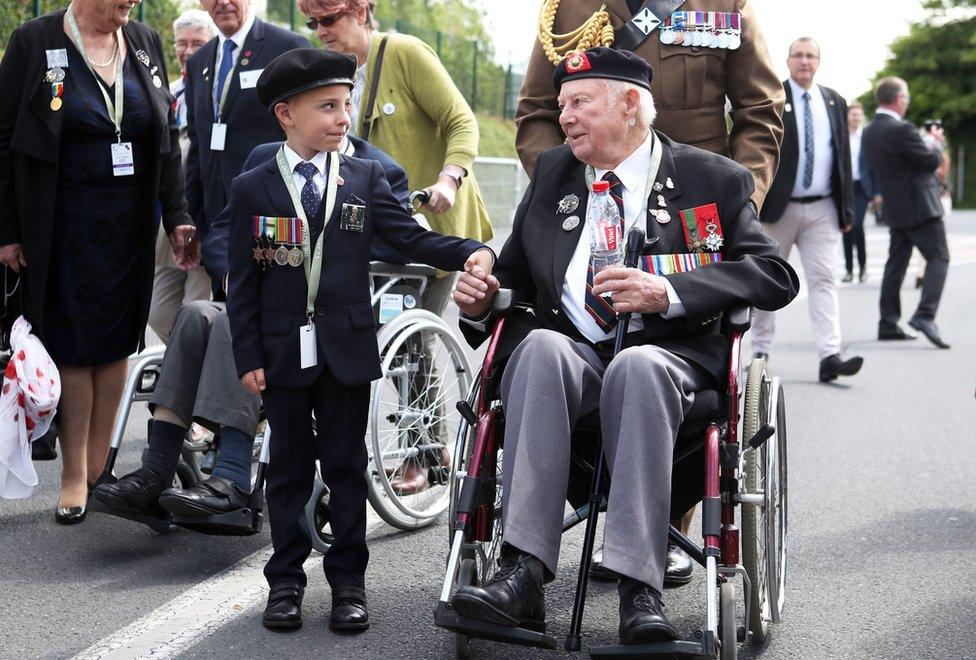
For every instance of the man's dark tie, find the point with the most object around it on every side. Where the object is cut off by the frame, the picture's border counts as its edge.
(599, 308)
(226, 64)
(807, 141)
(310, 195)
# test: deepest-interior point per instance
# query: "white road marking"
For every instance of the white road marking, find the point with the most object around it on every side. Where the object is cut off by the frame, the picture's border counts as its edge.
(182, 622)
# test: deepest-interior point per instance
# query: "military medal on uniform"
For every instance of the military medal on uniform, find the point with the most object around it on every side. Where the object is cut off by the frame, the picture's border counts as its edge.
(703, 230)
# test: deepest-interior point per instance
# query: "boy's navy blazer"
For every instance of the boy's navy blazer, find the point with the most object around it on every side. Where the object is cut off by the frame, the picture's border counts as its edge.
(214, 246)
(266, 308)
(209, 173)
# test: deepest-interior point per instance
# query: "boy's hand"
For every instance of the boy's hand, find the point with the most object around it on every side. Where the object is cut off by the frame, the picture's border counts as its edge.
(254, 381)
(476, 286)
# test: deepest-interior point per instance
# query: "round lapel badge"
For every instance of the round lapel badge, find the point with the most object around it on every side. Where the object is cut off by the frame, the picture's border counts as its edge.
(571, 223)
(157, 82)
(388, 108)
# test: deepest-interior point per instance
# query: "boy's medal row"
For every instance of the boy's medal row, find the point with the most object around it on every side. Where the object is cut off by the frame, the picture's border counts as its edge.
(278, 241)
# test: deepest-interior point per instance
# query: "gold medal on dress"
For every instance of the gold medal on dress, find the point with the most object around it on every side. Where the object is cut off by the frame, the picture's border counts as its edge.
(56, 104)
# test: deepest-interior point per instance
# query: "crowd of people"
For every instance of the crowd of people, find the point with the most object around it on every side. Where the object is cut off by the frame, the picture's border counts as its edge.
(201, 207)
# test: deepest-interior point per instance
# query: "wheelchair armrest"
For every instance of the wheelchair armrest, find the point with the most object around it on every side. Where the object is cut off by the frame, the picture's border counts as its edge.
(738, 319)
(505, 301)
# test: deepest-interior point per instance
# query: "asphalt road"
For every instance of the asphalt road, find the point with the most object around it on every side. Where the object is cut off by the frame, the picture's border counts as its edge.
(882, 515)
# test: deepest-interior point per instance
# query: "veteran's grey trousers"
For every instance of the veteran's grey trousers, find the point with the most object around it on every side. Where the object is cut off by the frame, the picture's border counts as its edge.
(643, 395)
(198, 380)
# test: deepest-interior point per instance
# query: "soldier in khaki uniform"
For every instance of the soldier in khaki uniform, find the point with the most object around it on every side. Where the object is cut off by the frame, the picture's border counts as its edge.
(690, 84)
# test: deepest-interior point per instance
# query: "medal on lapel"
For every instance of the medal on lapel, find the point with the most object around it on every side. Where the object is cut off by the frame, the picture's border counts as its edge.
(568, 204)
(571, 223)
(703, 230)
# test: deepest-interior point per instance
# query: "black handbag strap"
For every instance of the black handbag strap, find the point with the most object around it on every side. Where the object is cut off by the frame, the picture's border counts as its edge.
(374, 84)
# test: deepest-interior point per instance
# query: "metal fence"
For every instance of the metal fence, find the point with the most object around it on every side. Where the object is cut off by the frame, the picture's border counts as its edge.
(502, 183)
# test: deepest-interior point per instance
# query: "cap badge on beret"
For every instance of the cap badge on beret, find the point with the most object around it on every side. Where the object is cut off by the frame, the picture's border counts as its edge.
(577, 62)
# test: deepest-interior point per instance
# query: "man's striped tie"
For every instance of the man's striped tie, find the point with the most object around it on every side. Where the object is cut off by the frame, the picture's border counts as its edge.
(599, 308)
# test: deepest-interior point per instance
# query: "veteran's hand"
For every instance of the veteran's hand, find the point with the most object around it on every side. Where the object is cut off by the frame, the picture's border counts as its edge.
(186, 249)
(254, 381)
(12, 256)
(442, 195)
(633, 290)
(476, 286)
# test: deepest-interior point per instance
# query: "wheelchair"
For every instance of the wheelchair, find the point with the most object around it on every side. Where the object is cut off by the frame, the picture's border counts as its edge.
(413, 417)
(744, 469)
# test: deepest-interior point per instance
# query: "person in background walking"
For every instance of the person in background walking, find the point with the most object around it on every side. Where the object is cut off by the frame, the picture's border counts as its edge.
(863, 192)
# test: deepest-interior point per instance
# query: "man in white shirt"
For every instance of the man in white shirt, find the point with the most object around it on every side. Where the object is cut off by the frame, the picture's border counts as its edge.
(810, 203)
(707, 253)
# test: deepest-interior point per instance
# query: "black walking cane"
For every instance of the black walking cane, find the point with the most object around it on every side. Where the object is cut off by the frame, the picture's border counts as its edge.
(635, 246)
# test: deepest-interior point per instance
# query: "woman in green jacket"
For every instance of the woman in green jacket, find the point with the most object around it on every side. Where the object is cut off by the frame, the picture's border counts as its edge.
(417, 115)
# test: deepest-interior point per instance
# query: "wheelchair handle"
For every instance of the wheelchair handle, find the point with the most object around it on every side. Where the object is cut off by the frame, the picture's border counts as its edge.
(420, 197)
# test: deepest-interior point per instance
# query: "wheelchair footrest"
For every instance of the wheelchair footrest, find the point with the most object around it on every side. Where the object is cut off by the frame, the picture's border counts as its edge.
(685, 648)
(446, 617)
(242, 522)
(160, 524)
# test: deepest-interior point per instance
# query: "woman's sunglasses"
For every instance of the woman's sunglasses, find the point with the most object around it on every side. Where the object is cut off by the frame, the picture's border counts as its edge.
(325, 21)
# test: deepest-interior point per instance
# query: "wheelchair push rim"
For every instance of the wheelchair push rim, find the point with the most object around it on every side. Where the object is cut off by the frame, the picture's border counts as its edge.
(413, 418)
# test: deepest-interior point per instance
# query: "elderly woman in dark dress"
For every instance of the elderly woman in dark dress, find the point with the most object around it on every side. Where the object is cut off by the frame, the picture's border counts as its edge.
(88, 147)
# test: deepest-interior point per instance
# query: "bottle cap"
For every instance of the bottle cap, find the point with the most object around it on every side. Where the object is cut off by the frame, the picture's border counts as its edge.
(601, 186)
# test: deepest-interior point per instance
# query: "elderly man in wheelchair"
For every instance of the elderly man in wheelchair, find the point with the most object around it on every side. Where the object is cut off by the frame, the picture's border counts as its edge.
(705, 253)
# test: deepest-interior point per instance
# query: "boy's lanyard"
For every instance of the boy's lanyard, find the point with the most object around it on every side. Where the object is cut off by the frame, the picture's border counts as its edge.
(313, 263)
(114, 109)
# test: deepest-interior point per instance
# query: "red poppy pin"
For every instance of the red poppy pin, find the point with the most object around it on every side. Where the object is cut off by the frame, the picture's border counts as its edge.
(577, 62)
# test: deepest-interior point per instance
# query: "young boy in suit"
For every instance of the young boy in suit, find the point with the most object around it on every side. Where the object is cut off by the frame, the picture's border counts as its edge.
(303, 329)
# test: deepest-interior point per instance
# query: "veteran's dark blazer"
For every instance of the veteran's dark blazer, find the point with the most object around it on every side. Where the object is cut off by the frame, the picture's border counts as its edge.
(215, 245)
(841, 183)
(538, 251)
(904, 171)
(210, 173)
(30, 136)
(266, 308)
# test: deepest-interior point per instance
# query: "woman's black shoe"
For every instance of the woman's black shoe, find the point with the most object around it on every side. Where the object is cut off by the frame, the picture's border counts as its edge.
(70, 515)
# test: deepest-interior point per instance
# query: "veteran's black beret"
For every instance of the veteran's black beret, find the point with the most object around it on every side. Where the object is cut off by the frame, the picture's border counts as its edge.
(602, 62)
(302, 69)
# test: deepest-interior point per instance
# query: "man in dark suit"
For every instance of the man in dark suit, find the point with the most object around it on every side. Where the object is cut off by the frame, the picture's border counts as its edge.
(863, 193)
(904, 168)
(224, 118)
(710, 254)
(811, 202)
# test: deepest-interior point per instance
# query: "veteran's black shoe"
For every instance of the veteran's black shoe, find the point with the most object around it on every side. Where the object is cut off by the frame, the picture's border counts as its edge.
(512, 597)
(894, 333)
(349, 613)
(284, 610)
(642, 619)
(678, 570)
(597, 570)
(831, 367)
(930, 330)
(137, 492)
(213, 495)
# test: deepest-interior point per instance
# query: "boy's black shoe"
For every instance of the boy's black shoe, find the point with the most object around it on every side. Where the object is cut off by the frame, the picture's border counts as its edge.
(642, 619)
(213, 495)
(137, 492)
(512, 597)
(284, 610)
(349, 613)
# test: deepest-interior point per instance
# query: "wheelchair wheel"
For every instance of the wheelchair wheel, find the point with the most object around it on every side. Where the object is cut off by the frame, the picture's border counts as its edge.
(764, 526)
(319, 517)
(727, 623)
(413, 418)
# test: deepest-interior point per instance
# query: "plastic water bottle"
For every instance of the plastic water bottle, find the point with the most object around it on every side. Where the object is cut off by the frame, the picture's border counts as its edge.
(606, 233)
